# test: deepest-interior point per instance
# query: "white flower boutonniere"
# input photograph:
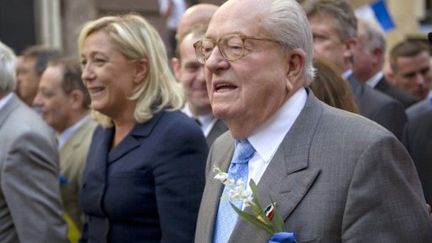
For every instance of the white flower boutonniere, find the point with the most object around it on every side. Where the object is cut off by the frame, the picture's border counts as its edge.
(267, 218)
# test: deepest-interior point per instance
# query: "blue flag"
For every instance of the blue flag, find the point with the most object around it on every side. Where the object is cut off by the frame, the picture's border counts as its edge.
(382, 15)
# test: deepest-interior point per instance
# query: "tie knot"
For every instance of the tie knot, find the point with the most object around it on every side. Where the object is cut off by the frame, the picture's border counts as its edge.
(243, 152)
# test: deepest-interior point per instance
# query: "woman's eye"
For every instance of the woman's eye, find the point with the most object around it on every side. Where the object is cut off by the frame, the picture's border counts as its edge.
(100, 61)
(83, 63)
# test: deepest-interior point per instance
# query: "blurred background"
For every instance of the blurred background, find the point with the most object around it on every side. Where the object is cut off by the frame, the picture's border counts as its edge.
(56, 23)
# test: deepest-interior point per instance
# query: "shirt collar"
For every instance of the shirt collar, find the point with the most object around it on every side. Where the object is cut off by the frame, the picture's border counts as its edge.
(373, 81)
(430, 96)
(345, 75)
(270, 135)
(66, 134)
(5, 99)
(207, 121)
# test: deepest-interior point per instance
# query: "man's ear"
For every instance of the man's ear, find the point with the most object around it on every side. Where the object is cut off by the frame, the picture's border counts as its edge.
(390, 76)
(296, 63)
(76, 98)
(176, 65)
(141, 70)
(378, 53)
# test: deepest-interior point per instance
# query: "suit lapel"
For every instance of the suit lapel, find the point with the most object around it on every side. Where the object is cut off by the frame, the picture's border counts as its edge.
(382, 85)
(356, 88)
(8, 108)
(132, 140)
(287, 179)
(218, 128)
(213, 189)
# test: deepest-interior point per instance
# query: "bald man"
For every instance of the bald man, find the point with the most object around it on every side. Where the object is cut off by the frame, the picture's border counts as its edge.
(198, 14)
(189, 71)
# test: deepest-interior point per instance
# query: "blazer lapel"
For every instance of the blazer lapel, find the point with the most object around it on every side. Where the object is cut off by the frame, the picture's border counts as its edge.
(218, 128)
(213, 188)
(287, 179)
(8, 108)
(132, 140)
(356, 88)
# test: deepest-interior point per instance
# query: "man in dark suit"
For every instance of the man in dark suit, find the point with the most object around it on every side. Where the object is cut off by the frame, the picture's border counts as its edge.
(331, 174)
(368, 63)
(418, 141)
(419, 108)
(334, 28)
(30, 205)
(189, 72)
(411, 68)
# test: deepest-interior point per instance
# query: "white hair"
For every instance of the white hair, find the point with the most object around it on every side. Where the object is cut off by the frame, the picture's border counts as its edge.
(288, 24)
(7, 69)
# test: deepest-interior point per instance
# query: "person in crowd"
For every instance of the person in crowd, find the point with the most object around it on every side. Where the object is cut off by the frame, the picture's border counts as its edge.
(33, 62)
(424, 105)
(332, 175)
(64, 102)
(331, 88)
(190, 73)
(418, 141)
(198, 14)
(30, 204)
(334, 29)
(144, 174)
(411, 68)
(369, 61)
(171, 11)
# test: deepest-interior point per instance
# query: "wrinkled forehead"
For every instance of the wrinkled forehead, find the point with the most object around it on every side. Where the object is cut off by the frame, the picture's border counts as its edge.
(238, 16)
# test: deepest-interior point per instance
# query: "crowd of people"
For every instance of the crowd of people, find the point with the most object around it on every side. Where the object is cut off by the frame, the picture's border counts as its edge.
(124, 145)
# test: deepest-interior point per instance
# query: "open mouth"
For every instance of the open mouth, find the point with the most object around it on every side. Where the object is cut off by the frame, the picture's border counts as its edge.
(96, 90)
(224, 87)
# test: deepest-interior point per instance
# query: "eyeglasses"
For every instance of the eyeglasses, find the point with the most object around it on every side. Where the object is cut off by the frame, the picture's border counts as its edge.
(231, 46)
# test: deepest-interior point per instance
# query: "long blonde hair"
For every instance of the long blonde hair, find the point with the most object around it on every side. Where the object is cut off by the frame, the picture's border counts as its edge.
(135, 38)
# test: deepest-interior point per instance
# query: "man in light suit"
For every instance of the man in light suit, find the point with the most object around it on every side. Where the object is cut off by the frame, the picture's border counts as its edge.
(190, 72)
(64, 102)
(369, 60)
(30, 205)
(334, 29)
(334, 176)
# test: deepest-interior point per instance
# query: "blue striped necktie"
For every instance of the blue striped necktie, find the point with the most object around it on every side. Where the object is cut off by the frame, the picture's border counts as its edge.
(226, 216)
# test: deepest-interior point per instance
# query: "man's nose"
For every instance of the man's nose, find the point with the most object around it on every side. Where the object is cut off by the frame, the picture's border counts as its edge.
(420, 79)
(216, 61)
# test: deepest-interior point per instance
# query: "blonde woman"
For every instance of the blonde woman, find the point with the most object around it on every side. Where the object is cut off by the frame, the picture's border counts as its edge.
(145, 169)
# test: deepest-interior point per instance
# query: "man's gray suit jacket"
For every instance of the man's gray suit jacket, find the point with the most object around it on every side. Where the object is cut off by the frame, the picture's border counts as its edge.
(337, 177)
(30, 206)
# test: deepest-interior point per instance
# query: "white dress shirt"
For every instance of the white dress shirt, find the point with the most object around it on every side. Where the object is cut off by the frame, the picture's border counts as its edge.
(206, 121)
(269, 136)
(373, 81)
